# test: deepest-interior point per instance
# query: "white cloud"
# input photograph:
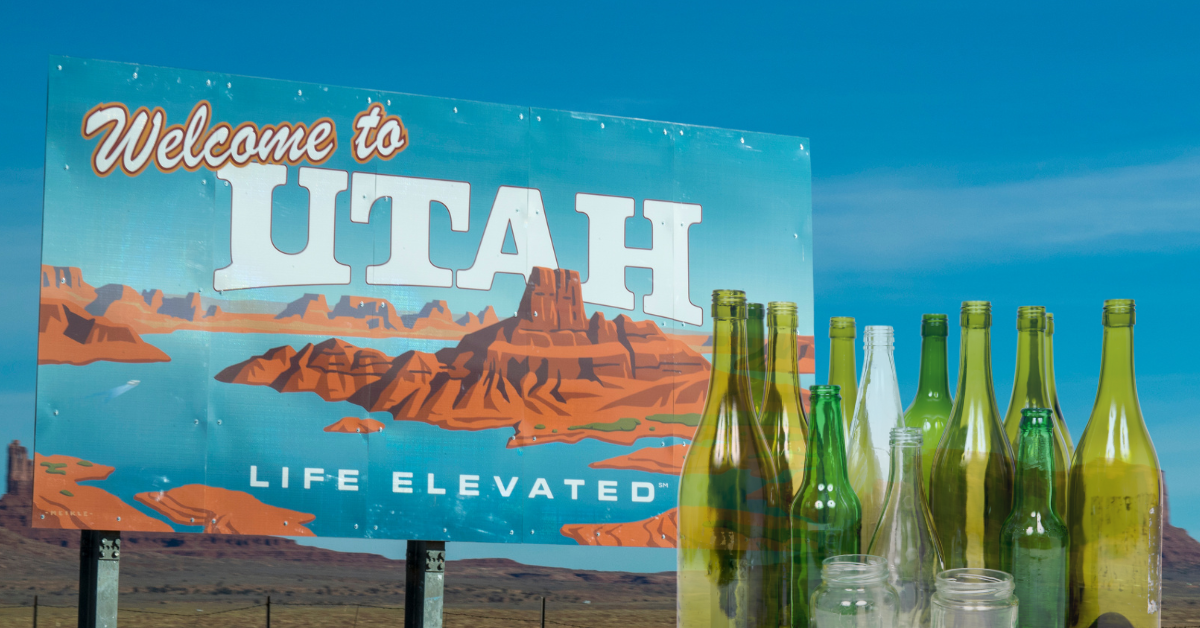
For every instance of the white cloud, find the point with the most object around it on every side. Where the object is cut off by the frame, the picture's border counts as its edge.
(864, 222)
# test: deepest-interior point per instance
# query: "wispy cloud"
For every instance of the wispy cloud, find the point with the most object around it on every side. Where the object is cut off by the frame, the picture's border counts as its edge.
(865, 222)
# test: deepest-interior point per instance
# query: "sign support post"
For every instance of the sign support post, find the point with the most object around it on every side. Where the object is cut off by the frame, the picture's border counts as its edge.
(99, 575)
(424, 584)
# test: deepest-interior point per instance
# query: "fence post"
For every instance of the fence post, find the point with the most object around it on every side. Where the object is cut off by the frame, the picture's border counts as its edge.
(424, 583)
(99, 574)
(268, 611)
(35, 611)
(543, 611)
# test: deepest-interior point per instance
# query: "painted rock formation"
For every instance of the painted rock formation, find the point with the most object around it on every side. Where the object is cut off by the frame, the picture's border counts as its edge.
(550, 372)
(355, 425)
(668, 460)
(222, 511)
(68, 334)
(60, 502)
(657, 531)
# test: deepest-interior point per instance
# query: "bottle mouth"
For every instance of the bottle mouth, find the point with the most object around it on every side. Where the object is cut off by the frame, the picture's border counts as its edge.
(935, 325)
(728, 304)
(854, 569)
(826, 391)
(976, 314)
(878, 335)
(755, 311)
(782, 314)
(841, 327)
(906, 436)
(972, 583)
(1119, 313)
(1031, 318)
(1036, 417)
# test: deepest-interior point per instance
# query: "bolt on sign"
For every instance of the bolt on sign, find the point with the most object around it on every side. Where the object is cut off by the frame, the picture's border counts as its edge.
(271, 307)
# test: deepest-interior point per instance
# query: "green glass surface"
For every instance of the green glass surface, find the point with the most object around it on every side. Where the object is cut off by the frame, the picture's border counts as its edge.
(1031, 390)
(756, 344)
(730, 511)
(930, 409)
(826, 515)
(1116, 506)
(972, 474)
(906, 537)
(843, 369)
(1033, 542)
(1053, 388)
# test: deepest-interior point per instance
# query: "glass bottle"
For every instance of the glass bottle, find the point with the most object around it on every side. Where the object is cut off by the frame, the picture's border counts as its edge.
(855, 593)
(1030, 390)
(729, 555)
(1052, 388)
(1033, 542)
(876, 413)
(972, 474)
(974, 598)
(756, 342)
(1115, 497)
(931, 407)
(826, 516)
(783, 421)
(843, 370)
(906, 537)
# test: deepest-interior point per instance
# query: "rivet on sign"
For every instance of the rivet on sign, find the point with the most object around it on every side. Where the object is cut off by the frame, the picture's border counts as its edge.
(135, 75)
(368, 99)
(795, 235)
(456, 110)
(522, 116)
(227, 85)
(191, 520)
(443, 529)
(602, 125)
(681, 131)
(203, 181)
(208, 83)
(214, 520)
(218, 421)
(743, 140)
(196, 421)
(284, 523)
(802, 147)
(66, 166)
(664, 131)
(356, 526)
(511, 532)
(118, 518)
(299, 92)
(376, 527)
(539, 118)
(44, 516)
(56, 413)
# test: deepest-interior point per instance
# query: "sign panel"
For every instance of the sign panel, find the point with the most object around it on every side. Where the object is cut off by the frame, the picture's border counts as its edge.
(271, 307)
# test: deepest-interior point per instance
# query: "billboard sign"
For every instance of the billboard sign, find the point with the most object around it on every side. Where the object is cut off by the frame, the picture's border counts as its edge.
(271, 307)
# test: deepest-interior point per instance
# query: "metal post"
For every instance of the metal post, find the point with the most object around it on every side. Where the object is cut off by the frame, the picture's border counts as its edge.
(35, 611)
(424, 582)
(268, 611)
(99, 575)
(543, 611)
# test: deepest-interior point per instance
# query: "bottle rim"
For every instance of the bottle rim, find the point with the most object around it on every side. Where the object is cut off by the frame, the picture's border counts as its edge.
(842, 327)
(1031, 318)
(935, 325)
(756, 310)
(781, 307)
(976, 315)
(854, 569)
(728, 304)
(878, 335)
(1032, 418)
(1119, 313)
(825, 390)
(974, 583)
(902, 436)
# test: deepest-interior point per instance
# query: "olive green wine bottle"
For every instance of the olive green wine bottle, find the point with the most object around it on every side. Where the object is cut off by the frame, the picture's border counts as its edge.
(843, 369)
(756, 343)
(1031, 390)
(1053, 389)
(930, 409)
(826, 514)
(1116, 506)
(1033, 542)
(730, 512)
(972, 477)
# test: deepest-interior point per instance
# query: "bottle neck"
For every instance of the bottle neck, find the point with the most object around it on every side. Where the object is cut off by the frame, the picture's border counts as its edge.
(1034, 486)
(826, 442)
(934, 382)
(782, 357)
(841, 358)
(1116, 366)
(975, 365)
(1048, 360)
(1029, 382)
(905, 473)
(879, 374)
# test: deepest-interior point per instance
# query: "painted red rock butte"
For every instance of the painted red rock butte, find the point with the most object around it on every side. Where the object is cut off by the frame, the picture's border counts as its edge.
(657, 531)
(68, 334)
(60, 502)
(355, 425)
(222, 511)
(668, 460)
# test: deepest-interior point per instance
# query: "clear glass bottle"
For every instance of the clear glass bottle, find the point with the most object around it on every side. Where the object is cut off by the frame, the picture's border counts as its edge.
(1115, 495)
(906, 537)
(1052, 388)
(974, 598)
(930, 409)
(756, 344)
(826, 517)
(972, 476)
(877, 411)
(1030, 390)
(855, 593)
(843, 370)
(1033, 542)
(730, 528)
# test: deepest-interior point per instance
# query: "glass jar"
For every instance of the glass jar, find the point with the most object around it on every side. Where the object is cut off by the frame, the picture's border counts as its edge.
(974, 598)
(855, 593)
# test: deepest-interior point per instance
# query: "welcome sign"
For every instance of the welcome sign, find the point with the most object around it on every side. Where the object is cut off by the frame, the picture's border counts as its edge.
(271, 307)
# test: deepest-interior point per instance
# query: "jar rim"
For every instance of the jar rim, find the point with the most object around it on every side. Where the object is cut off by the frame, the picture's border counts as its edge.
(854, 569)
(974, 582)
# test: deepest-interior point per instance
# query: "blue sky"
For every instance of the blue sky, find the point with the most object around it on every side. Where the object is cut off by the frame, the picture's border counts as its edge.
(1024, 154)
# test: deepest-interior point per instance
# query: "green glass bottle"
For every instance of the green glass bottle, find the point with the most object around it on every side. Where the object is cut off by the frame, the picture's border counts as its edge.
(730, 524)
(826, 514)
(843, 369)
(1033, 542)
(930, 409)
(1030, 390)
(972, 476)
(756, 343)
(1053, 388)
(1115, 496)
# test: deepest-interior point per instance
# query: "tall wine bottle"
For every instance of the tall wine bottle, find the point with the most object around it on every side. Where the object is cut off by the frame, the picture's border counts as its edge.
(756, 343)
(1034, 540)
(930, 409)
(1031, 390)
(784, 424)
(1116, 506)
(876, 413)
(826, 515)
(1052, 388)
(972, 476)
(843, 371)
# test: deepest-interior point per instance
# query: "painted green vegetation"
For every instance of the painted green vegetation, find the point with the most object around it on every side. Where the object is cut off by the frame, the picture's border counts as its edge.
(55, 468)
(620, 425)
(691, 419)
(67, 493)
